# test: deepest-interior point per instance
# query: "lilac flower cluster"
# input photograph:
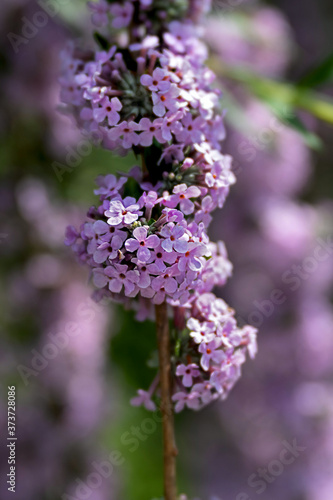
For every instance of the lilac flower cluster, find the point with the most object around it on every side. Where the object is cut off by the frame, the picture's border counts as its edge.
(149, 91)
(154, 93)
(212, 359)
(148, 247)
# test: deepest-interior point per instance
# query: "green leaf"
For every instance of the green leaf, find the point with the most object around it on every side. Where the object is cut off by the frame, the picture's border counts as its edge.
(282, 93)
(323, 73)
(131, 347)
(311, 139)
(102, 42)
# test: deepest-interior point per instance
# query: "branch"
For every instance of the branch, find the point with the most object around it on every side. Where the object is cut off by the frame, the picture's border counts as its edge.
(169, 447)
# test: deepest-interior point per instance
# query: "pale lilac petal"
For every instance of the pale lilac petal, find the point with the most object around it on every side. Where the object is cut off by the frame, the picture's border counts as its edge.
(170, 285)
(115, 285)
(187, 380)
(143, 254)
(152, 241)
(187, 207)
(140, 233)
(167, 245)
(132, 245)
(180, 246)
(146, 80)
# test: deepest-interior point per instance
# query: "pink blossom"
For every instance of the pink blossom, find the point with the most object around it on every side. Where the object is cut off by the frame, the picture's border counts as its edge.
(143, 398)
(201, 332)
(166, 100)
(182, 195)
(205, 392)
(122, 14)
(126, 130)
(109, 249)
(210, 353)
(108, 109)
(109, 185)
(121, 277)
(188, 372)
(175, 238)
(191, 259)
(150, 130)
(164, 284)
(158, 81)
(126, 211)
(162, 258)
(192, 129)
(71, 235)
(100, 12)
(141, 243)
(183, 399)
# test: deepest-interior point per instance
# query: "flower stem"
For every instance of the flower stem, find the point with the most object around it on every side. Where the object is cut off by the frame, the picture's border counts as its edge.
(169, 446)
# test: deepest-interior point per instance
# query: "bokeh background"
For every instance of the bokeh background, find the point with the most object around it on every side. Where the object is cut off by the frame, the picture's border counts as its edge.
(76, 364)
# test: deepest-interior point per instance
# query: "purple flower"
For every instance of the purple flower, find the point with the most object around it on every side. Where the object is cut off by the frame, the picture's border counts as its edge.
(191, 131)
(201, 332)
(177, 36)
(126, 211)
(250, 338)
(126, 130)
(71, 235)
(145, 270)
(89, 234)
(190, 400)
(182, 196)
(108, 109)
(188, 373)
(100, 12)
(173, 152)
(121, 276)
(143, 398)
(184, 295)
(161, 257)
(173, 215)
(175, 238)
(150, 130)
(106, 232)
(172, 124)
(109, 249)
(70, 92)
(164, 284)
(205, 392)
(149, 200)
(166, 100)
(210, 353)
(158, 81)
(142, 243)
(203, 215)
(190, 259)
(109, 185)
(122, 14)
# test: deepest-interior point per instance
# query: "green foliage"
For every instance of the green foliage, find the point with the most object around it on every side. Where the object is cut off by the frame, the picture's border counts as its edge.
(102, 41)
(321, 74)
(131, 347)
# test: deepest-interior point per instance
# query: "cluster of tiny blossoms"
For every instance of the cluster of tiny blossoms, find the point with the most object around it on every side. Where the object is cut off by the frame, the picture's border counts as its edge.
(146, 243)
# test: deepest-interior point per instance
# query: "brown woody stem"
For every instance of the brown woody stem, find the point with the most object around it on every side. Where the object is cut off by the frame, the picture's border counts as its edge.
(169, 446)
